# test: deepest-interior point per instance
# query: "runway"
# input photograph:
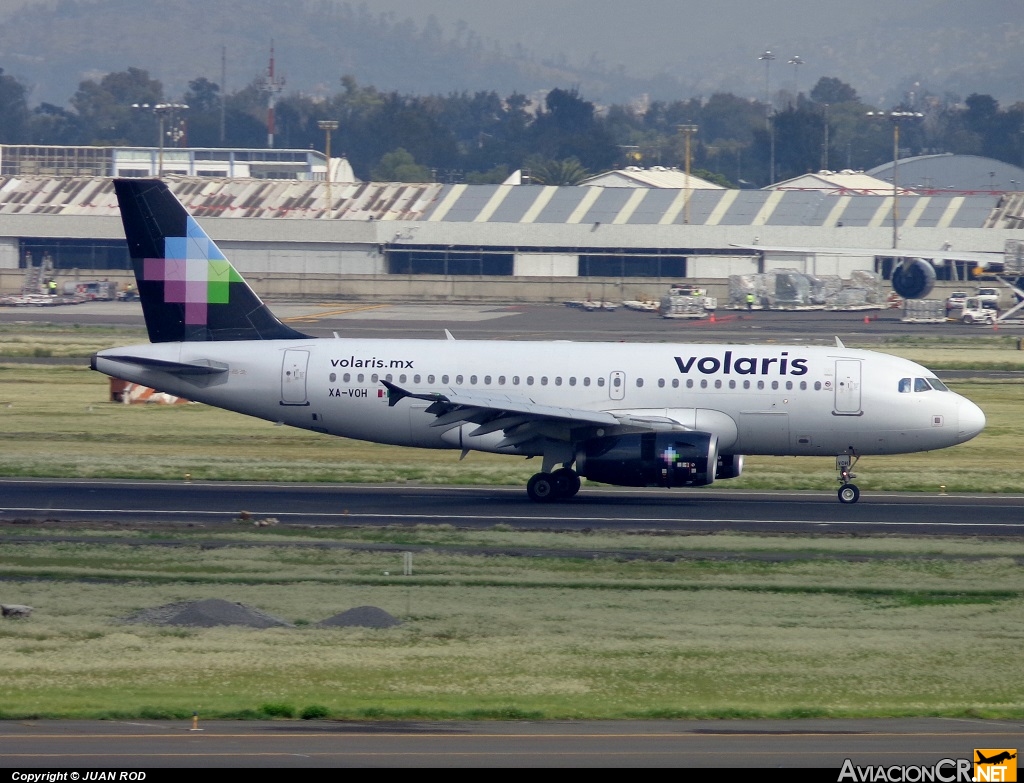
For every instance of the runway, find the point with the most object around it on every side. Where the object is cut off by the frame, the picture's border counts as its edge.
(821, 744)
(613, 508)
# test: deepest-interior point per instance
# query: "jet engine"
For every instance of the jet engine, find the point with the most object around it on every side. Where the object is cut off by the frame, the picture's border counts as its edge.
(913, 279)
(653, 459)
(729, 466)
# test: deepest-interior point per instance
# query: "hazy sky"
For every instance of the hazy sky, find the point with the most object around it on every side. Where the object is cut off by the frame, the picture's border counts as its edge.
(646, 36)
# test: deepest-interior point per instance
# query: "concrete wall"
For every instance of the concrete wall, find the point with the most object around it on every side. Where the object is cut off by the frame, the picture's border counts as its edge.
(8, 253)
(546, 265)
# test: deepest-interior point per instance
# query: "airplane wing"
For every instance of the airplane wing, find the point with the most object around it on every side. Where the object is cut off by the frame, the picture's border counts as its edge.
(522, 419)
(980, 257)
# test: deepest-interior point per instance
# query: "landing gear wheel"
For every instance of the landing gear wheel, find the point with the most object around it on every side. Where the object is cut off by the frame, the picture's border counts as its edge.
(848, 493)
(567, 482)
(542, 488)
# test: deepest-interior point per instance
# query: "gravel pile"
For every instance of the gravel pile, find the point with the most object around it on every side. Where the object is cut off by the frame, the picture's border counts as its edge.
(360, 616)
(207, 614)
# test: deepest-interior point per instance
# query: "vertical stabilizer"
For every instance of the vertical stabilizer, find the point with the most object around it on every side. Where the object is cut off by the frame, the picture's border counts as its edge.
(189, 290)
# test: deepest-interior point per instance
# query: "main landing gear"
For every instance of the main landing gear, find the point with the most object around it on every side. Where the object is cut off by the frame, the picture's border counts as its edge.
(560, 484)
(848, 493)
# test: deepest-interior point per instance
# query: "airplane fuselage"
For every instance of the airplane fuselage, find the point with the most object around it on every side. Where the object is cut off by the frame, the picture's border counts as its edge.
(772, 400)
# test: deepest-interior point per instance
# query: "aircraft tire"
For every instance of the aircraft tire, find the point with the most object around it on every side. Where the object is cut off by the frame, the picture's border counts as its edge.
(849, 493)
(567, 482)
(542, 488)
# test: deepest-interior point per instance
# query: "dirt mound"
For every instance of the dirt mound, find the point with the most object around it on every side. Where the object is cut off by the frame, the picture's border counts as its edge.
(207, 614)
(361, 616)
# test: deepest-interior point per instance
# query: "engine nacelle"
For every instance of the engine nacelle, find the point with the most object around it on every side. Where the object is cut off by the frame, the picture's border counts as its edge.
(913, 279)
(729, 466)
(652, 459)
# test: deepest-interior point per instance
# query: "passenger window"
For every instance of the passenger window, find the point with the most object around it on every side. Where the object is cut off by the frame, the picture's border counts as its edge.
(558, 380)
(803, 385)
(760, 384)
(904, 385)
(718, 384)
(746, 384)
(388, 377)
(675, 383)
(543, 380)
(600, 381)
(817, 386)
(501, 380)
(401, 378)
(472, 380)
(639, 383)
(374, 378)
(732, 384)
(616, 381)
(661, 383)
(415, 379)
(458, 380)
(444, 379)
(515, 380)
(430, 379)
(789, 385)
(529, 380)
(586, 381)
(487, 380)
(689, 383)
(572, 380)
(775, 384)
(359, 377)
(704, 384)
(921, 385)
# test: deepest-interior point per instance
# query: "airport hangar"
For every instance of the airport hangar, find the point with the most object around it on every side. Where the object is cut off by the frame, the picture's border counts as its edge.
(498, 243)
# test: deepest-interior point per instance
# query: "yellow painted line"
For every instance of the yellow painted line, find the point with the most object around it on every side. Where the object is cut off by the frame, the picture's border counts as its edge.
(722, 207)
(492, 205)
(630, 207)
(313, 317)
(765, 213)
(884, 211)
(837, 211)
(950, 212)
(545, 196)
(592, 195)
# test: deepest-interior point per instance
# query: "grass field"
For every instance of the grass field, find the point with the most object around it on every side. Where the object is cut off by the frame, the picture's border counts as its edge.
(659, 626)
(913, 630)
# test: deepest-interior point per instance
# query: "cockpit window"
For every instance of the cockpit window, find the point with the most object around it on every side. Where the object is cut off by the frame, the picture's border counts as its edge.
(921, 384)
(938, 385)
(904, 385)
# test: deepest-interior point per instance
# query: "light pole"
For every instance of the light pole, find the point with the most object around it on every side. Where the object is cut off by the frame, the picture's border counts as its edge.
(162, 110)
(687, 131)
(328, 126)
(796, 60)
(896, 117)
(767, 58)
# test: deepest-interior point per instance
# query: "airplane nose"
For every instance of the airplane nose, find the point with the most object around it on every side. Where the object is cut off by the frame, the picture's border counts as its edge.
(972, 420)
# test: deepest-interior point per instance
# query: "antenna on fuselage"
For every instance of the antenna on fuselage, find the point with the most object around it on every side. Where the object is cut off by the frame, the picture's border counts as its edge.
(839, 343)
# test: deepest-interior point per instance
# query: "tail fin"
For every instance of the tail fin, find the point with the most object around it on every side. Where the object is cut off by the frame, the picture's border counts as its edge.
(189, 290)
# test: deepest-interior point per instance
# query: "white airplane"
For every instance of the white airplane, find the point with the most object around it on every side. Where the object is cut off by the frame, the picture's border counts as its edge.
(623, 414)
(914, 277)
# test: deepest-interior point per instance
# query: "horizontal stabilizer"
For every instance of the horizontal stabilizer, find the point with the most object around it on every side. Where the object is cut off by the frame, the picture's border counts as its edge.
(174, 368)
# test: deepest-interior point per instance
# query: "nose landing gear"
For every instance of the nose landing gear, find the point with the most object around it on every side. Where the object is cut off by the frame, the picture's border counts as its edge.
(848, 493)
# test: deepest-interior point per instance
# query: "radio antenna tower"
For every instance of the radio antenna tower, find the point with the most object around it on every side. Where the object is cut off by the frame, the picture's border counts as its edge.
(272, 85)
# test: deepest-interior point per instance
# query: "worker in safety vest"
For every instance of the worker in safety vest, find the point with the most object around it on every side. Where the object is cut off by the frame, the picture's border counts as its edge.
(52, 285)
(750, 301)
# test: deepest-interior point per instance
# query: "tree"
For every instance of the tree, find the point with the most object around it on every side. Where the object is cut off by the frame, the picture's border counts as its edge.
(832, 91)
(556, 172)
(400, 166)
(106, 111)
(13, 110)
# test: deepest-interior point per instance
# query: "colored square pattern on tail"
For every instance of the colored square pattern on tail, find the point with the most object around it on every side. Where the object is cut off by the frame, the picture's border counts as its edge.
(194, 273)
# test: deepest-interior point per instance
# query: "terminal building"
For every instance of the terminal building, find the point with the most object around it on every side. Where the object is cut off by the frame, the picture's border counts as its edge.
(303, 235)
